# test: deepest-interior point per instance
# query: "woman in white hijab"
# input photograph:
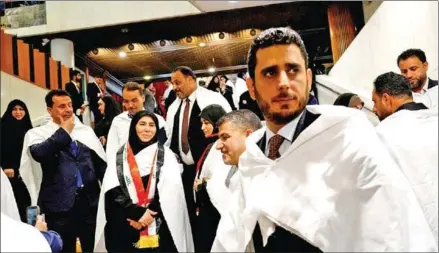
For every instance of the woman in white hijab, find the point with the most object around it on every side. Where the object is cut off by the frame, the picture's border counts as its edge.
(143, 213)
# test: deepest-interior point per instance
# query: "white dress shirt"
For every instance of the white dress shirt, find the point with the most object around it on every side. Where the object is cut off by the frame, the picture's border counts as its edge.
(287, 132)
(187, 158)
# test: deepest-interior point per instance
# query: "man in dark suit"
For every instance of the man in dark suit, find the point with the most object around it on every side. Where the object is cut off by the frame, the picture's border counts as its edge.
(73, 163)
(246, 102)
(414, 66)
(170, 99)
(96, 91)
(74, 89)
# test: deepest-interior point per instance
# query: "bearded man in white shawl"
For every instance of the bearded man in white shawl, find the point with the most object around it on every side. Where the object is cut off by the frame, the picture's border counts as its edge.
(61, 165)
(409, 131)
(142, 207)
(316, 178)
(133, 100)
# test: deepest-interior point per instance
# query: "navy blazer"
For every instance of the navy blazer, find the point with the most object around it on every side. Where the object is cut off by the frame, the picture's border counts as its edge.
(60, 166)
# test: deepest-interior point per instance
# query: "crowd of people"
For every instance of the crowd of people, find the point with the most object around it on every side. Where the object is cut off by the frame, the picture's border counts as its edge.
(252, 166)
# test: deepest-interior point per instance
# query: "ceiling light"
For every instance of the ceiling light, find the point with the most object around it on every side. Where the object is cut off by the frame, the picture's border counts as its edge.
(232, 2)
(211, 69)
(221, 35)
(202, 44)
(188, 39)
(252, 32)
(131, 46)
(95, 51)
(147, 77)
(122, 54)
(162, 43)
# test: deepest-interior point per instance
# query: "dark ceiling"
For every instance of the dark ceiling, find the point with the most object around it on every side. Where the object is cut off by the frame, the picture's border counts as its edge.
(150, 58)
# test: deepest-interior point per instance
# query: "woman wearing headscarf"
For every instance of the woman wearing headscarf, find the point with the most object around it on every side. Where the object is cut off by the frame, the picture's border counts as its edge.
(109, 108)
(349, 100)
(214, 84)
(227, 91)
(14, 125)
(142, 206)
(207, 215)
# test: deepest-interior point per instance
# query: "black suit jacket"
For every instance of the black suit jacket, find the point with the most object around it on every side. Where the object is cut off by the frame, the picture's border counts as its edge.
(197, 141)
(282, 240)
(92, 94)
(170, 99)
(76, 96)
(60, 166)
(431, 83)
(246, 102)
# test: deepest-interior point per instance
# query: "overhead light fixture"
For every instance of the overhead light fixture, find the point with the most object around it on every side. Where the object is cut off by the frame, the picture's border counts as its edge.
(124, 30)
(95, 51)
(44, 42)
(162, 43)
(202, 44)
(188, 39)
(147, 77)
(232, 2)
(122, 54)
(131, 46)
(252, 32)
(221, 35)
(211, 69)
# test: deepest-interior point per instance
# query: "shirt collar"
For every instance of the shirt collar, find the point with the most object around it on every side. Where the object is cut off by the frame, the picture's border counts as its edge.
(286, 131)
(192, 96)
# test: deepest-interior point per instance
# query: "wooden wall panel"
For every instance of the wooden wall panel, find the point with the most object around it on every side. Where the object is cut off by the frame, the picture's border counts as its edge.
(53, 65)
(341, 28)
(6, 63)
(65, 73)
(40, 69)
(23, 60)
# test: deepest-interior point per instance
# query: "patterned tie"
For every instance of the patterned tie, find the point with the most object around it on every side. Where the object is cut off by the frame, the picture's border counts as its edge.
(74, 148)
(185, 128)
(274, 144)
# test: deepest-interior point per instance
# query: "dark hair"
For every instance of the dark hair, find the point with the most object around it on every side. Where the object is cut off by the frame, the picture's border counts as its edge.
(212, 85)
(132, 86)
(413, 52)
(225, 77)
(243, 119)
(241, 75)
(136, 144)
(99, 75)
(74, 73)
(213, 113)
(344, 99)
(112, 108)
(271, 37)
(392, 84)
(186, 71)
(55, 93)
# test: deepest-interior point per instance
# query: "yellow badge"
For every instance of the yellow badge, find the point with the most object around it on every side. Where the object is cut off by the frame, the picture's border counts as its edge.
(150, 241)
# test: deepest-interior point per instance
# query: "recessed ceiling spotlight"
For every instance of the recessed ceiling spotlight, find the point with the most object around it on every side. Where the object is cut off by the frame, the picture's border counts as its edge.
(188, 39)
(252, 32)
(147, 77)
(122, 54)
(124, 30)
(202, 44)
(211, 69)
(162, 43)
(95, 51)
(221, 35)
(131, 46)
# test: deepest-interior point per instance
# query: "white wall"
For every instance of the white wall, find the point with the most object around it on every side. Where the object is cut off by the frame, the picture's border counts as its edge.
(393, 28)
(32, 95)
(75, 15)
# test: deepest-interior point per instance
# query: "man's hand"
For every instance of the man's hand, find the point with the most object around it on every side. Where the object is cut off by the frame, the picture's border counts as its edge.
(83, 106)
(68, 124)
(197, 183)
(103, 140)
(41, 225)
(135, 224)
(9, 172)
(147, 218)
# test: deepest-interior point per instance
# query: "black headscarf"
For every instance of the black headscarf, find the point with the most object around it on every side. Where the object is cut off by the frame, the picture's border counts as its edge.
(112, 108)
(344, 99)
(213, 113)
(136, 144)
(12, 134)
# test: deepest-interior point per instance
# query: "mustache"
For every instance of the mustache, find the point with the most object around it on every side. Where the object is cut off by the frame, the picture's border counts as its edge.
(283, 96)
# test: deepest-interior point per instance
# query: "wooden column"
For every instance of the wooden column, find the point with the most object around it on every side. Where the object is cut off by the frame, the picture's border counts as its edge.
(23, 60)
(40, 69)
(341, 28)
(6, 64)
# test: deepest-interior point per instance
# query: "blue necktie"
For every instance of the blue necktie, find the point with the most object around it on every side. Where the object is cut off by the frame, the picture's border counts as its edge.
(74, 148)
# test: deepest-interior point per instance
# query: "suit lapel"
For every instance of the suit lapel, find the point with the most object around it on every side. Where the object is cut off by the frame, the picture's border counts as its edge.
(305, 121)
(431, 83)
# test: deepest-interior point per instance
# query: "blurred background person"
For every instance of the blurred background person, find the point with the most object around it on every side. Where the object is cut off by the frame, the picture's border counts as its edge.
(349, 100)
(226, 91)
(109, 108)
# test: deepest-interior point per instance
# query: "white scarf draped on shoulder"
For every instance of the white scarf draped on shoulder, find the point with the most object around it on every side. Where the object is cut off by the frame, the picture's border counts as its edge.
(170, 188)
(30, 170)
(411, 138)
(335, 186)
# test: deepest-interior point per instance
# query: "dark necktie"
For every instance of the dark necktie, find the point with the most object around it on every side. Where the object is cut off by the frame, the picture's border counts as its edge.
(74, 148)
(274, 144)
(185, 128)
(130, 116)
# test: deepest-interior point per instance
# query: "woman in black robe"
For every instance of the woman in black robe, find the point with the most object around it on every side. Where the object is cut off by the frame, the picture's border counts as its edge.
(109, 108)
(127, 220)
(14, 125)
(226, 91)
(207, 215)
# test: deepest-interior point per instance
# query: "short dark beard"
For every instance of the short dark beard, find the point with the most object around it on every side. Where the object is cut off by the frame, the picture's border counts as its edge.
(278, 118)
